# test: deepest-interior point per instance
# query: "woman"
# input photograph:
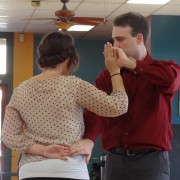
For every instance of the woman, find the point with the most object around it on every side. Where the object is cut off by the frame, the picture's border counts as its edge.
(44, 116)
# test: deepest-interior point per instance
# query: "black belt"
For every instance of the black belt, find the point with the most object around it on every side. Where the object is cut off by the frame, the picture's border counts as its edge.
(134, 152)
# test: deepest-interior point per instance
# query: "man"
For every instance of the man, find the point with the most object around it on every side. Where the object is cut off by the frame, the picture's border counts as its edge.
(137, 143)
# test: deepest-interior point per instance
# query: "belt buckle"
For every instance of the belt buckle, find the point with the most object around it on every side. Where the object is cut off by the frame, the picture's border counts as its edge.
(130, 154)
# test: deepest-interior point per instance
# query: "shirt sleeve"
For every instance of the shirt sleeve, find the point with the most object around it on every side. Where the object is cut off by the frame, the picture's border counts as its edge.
(164, 74)
(100, 102)
(92, 124)
(12, 130)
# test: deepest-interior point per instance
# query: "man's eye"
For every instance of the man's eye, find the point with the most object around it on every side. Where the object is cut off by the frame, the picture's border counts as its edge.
(119, 39)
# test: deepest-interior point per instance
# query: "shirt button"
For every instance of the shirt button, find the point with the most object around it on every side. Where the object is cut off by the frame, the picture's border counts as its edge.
(125, 145)
(126, 133)
(141, 69)
(128, 119)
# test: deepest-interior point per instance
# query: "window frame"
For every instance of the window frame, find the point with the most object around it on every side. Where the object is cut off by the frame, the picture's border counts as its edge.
(3, 87)
(5, 56)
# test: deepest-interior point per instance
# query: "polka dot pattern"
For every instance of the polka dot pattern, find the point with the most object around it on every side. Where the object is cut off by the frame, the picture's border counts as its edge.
(50, 111)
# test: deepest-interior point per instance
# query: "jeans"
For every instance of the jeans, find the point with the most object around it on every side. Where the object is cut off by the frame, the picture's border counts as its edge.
(153, 165)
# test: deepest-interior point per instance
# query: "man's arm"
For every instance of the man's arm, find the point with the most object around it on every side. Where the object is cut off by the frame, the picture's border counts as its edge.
(163, 74)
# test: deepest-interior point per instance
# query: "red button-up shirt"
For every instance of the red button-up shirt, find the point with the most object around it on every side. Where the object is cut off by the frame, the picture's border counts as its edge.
(151, 87)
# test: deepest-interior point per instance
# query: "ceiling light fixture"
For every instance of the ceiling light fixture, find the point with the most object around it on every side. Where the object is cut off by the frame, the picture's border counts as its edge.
(148, 2)
(35, 3)
(80, 28)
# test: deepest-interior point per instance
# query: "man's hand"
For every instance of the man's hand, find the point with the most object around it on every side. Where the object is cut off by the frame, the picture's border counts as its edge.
(84, 147)
(123, 60)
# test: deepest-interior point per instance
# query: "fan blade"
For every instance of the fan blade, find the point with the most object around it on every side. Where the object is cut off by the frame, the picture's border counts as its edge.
(84, 22)
(89, 19)
(38, 19)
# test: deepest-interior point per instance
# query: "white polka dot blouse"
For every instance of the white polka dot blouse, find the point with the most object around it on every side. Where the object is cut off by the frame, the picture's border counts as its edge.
(50, 112)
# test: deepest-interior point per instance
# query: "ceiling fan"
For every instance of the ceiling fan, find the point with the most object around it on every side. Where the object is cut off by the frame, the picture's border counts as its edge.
(65, 18)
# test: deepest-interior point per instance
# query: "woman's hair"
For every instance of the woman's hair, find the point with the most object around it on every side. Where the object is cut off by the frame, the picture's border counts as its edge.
(55, 48)
(136, 21)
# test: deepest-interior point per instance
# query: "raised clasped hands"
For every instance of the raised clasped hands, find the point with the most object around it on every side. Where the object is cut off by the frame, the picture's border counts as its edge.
(115, 58)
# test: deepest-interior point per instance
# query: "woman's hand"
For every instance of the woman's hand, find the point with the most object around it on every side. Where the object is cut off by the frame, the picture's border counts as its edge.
(56, 152)
(115, 58)
(52, 151)
(111, 59)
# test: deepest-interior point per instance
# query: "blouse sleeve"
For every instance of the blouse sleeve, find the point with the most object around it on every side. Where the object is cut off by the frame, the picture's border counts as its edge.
(99, 102)
(12, 131)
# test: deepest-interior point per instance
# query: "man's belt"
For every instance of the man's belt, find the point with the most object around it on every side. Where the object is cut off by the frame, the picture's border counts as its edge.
(133, 152)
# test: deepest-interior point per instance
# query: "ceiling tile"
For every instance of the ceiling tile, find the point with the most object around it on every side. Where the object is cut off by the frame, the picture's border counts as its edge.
(11, 11)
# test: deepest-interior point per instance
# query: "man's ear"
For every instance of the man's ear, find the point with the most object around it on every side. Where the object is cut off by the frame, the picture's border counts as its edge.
(140, 38)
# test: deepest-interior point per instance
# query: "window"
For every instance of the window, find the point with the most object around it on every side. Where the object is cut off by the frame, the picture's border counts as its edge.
(3, 56)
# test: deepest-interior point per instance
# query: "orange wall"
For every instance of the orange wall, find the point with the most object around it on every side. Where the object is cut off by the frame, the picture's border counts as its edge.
(23, 58)
(22, 70)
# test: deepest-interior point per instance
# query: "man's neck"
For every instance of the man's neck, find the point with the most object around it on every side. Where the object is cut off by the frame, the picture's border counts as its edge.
(142, 53)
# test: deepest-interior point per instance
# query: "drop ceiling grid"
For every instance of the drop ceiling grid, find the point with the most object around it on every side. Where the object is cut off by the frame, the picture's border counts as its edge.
(14, 10)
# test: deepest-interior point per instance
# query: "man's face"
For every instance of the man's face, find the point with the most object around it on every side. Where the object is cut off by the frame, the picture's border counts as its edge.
(124, 40)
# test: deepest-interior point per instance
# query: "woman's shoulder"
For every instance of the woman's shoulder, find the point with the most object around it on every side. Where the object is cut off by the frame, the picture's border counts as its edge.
(75, 78)
(21, 85)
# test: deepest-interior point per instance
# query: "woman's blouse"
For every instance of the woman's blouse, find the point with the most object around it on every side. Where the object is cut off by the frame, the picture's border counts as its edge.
(50, 112)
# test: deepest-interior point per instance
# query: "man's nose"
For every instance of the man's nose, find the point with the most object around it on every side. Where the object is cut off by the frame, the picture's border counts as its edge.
(116, 44)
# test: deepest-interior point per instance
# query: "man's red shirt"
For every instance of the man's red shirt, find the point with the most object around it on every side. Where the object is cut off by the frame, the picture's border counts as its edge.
(151, 87)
